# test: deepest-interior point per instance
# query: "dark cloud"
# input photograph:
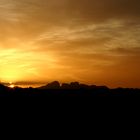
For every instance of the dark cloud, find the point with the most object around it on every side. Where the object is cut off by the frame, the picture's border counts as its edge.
(97, 9)
(64, 11)
(76, 10)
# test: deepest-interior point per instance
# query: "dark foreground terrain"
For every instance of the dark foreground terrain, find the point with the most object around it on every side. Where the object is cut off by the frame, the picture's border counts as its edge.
(74, 89)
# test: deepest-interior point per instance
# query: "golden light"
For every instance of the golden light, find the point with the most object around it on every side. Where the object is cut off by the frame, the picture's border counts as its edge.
(12, 86)
(21, 65)
(10, 75)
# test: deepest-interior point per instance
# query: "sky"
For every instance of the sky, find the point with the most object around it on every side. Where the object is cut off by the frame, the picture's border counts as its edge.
(90, 41)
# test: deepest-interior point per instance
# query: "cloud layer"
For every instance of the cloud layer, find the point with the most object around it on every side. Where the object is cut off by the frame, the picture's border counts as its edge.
(89, 41)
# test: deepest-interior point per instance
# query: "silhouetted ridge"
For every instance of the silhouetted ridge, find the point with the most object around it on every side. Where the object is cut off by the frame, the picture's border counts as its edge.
(2, 87)
(53, 85)
(72, 85)
(68, 89)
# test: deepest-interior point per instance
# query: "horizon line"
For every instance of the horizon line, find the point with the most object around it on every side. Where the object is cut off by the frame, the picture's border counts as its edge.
(44, 83)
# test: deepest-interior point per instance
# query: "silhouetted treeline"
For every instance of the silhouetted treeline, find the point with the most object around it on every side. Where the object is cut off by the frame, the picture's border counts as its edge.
(65, 89)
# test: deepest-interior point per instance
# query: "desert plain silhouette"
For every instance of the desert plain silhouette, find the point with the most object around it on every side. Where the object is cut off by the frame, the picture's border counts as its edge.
(55, 89)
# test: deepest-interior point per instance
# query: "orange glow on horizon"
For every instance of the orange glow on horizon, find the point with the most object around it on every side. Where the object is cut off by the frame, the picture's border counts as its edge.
(12, 86)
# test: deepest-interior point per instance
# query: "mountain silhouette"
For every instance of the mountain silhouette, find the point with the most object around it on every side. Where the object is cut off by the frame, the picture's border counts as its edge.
(53, 85)
(2, 87)
(72, 85)
(68, 89)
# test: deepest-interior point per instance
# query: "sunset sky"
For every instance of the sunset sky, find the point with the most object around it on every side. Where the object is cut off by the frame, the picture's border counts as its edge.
(90, 41)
